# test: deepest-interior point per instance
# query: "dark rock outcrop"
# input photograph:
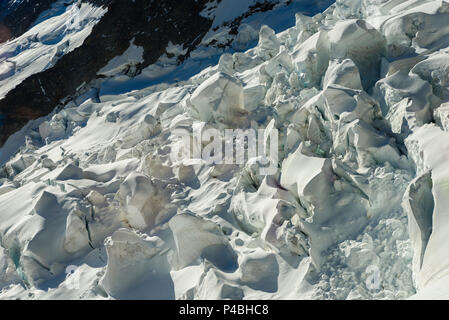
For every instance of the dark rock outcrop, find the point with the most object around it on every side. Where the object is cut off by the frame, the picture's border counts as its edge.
(16, 17)
(152, 24)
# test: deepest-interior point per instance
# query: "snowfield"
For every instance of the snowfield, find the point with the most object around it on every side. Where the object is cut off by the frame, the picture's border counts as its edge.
(94, 206)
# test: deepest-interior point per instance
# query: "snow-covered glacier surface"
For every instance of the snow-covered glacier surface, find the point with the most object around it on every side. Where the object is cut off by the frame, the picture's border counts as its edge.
(95, 206)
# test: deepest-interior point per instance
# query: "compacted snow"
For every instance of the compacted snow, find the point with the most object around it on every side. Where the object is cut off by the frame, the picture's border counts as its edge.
(94, 205)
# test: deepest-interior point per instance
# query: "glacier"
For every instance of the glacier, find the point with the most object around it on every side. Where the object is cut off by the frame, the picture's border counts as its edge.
(93, 206)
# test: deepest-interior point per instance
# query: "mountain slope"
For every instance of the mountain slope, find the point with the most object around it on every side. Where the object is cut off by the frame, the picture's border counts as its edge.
(16, 16)
(149, 25)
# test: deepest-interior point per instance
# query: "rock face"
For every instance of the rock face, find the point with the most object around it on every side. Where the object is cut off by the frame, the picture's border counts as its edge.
(17, 16)
(152, 26)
